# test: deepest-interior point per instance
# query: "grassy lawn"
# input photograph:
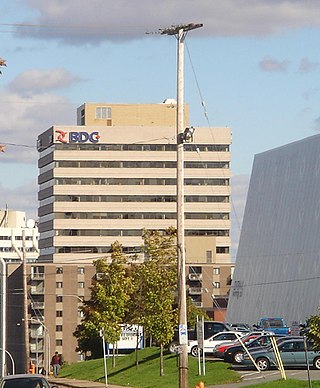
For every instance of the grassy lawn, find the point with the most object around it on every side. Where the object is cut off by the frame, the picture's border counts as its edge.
(147, 375)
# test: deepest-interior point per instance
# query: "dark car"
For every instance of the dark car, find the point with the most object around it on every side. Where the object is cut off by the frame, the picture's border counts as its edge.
(234, 353)
(25, 381)
(219, 350)
(210, 328)
(292, 353)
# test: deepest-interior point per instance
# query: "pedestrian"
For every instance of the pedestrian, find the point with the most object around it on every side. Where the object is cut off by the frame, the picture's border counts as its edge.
(56, 363)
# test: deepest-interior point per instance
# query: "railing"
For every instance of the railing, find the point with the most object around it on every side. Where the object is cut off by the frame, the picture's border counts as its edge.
(195, 290)
(37, 305)
(37, 276)
(195, 276)
(34, 290)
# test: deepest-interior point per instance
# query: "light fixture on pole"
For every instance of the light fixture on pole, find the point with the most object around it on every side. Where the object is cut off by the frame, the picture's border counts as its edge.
(183, 135)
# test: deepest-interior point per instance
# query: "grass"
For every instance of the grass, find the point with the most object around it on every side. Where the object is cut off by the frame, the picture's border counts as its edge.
(147, 375)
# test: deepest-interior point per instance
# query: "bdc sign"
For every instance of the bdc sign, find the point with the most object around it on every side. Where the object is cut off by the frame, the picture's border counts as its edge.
(77, 137)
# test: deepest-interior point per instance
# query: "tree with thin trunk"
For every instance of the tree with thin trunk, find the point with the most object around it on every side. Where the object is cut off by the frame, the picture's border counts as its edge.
(107, 307)
(154, 285)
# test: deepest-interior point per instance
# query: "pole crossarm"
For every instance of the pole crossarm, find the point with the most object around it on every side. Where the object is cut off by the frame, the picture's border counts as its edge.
(174, 29)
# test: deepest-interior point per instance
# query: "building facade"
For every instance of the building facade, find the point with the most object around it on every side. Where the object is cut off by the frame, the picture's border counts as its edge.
(278, 266)
(18, 237)
(114, 174)
(55, 295)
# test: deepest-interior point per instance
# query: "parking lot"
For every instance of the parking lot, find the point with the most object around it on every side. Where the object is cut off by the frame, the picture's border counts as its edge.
(250, 376)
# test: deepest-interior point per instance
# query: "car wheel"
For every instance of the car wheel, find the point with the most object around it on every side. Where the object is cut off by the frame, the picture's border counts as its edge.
(173, 346)
(316, 362)
(195, 351)
(263, 363)
(237, 357)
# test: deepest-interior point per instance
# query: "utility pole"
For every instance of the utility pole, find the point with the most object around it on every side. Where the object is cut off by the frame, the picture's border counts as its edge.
(183, 135)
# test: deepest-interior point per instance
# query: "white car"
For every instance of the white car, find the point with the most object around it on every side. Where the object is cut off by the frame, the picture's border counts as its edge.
(217, 339)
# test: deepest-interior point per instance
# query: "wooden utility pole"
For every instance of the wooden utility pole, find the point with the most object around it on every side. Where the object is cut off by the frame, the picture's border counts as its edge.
(183, 135)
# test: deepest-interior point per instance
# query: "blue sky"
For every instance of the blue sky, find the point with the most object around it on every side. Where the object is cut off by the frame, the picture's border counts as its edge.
(255, 64)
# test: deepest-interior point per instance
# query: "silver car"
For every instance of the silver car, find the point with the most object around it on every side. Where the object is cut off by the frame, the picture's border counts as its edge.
(292, 353)
(25, 381)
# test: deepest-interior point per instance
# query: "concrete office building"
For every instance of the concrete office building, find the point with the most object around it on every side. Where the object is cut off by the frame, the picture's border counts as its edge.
(115, 173)
(277, 269)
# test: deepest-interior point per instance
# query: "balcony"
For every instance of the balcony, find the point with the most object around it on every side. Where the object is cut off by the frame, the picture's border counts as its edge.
(37, 305)
(37, 290)
(195, 277)
(37, 276)
(195, 290)
(36, 348)
(37, 333)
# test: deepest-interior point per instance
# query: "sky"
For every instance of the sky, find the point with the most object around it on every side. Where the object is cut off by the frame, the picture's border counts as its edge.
(253, 66)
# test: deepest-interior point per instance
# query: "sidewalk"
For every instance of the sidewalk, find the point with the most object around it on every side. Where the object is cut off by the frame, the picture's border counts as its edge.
(73, 383)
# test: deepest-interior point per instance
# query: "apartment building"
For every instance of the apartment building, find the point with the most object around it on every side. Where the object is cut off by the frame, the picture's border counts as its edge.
(18, 237)
(55, 295)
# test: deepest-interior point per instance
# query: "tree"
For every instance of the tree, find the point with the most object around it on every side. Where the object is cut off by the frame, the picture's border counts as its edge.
(155, 282)
(193, 312)
(313, 330)
(107, 306)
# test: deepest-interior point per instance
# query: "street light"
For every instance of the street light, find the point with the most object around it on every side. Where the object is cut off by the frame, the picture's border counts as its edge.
(12, 360)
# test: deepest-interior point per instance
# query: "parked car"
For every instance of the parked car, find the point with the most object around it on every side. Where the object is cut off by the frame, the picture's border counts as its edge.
(275, 325)
(292, 353)
(210, 328)
(234, 354)
(218, 351)
(25, 381)
(210, 343)
(240, 327)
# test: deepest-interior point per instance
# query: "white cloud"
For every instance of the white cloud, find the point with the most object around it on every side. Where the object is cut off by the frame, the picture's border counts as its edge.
(32, 111)
(82, 21)
(40, 81)
(273, 65)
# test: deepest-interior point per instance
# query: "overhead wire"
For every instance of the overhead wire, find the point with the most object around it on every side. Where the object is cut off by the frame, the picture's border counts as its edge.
(206, 115)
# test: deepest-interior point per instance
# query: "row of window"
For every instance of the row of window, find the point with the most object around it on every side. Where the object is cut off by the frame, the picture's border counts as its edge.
(133, 232)
(142, 181)
(80, 270)
(141, 198)
(11, 249)
(136, 164)
(16, 238)
(143, 147)
(141, 216)
(126, 250)
(60, 285)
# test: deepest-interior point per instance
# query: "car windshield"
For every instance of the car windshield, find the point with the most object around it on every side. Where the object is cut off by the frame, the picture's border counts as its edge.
(26, 382)
(272, 322)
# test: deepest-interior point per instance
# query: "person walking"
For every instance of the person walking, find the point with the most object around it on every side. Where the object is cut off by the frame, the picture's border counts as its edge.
(56, 363)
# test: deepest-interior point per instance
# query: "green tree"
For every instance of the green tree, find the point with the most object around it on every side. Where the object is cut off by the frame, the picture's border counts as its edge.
(313, 332)
(155, 282)
(193, 312)
(107, 306)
